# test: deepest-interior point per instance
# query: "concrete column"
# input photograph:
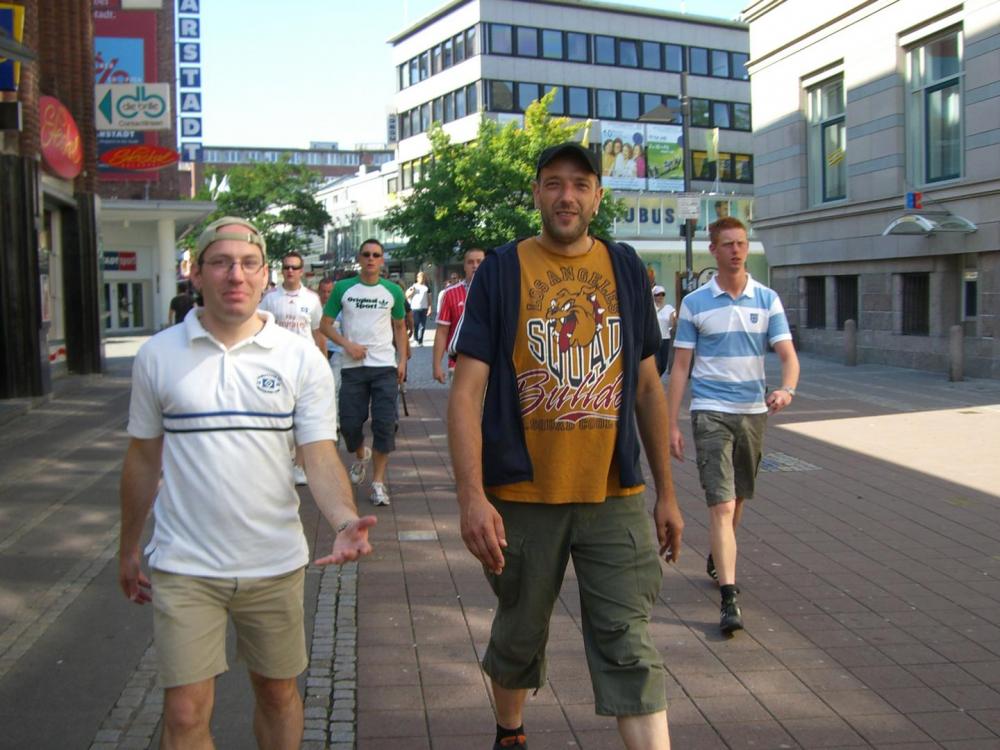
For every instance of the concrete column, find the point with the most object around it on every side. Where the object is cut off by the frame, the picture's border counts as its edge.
(850, 343)
(164, 273)
(956, 355)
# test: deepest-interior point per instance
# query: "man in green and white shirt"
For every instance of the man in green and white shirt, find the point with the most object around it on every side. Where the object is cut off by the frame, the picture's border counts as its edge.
(372, 312)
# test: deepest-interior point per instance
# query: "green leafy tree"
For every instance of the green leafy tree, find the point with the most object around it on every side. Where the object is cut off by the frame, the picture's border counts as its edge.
(277, 197)
(479, 193)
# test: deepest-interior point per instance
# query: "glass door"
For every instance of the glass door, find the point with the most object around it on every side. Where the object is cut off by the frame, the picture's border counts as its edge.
(125, 305)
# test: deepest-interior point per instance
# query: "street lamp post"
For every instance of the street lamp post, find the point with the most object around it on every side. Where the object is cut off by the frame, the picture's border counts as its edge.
(663, 113)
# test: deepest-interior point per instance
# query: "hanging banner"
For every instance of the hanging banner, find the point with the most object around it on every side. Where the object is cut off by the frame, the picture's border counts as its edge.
(623, 157)
(665, 157)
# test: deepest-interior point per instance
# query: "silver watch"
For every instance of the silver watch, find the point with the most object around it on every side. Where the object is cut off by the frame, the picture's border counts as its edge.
(788, 389)
(344, 525)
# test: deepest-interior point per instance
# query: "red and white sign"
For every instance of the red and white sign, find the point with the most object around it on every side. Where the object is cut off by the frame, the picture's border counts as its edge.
(62, 149)
(120, 261)
(140, 158)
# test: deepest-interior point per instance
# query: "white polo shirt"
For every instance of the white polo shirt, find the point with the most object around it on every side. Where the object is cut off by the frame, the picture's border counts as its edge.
(227, 506)
(299, 312)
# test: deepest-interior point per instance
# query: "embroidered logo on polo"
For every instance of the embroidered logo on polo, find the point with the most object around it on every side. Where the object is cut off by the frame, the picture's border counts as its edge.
(268, 383)
(575, 339)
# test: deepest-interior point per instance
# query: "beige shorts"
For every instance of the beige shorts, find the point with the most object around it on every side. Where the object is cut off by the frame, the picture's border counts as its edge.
(189, 625)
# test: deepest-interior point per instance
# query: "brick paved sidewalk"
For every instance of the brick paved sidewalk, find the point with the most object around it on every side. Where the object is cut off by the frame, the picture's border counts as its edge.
(870, 593)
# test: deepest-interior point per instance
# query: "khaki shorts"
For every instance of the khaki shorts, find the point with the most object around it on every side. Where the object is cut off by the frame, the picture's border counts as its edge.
(190, 615)
(619, 575)
(729, 449)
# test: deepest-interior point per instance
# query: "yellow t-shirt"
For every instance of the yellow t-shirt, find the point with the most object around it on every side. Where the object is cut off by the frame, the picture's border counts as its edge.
(567, 358)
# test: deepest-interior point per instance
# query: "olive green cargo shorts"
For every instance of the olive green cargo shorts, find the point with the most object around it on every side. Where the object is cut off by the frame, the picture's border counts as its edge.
(729, 448)
(619, 575)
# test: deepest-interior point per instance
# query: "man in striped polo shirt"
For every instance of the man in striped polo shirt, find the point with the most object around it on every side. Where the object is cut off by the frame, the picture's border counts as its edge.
(728, 323)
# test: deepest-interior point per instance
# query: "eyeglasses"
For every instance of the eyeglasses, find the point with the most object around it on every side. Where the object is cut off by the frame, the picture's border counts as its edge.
(291, 268)
(371, 255)
(223, 264)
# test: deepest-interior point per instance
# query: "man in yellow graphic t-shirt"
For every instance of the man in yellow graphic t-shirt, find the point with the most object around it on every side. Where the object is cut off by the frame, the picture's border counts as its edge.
(556, 353)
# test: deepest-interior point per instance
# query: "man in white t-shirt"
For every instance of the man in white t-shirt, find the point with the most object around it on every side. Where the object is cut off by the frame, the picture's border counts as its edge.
(666, 316)
(372, 312)
(419, 297)
(296, 308)
(216, 403)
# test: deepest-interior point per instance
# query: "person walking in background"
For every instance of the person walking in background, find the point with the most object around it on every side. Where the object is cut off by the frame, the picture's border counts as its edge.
(372, 311)
(181, 305)
(216, 403)
(728, 324)
(450, 312)
(419, 296)
(560, 477)
(666, 317)
(452, 280)
(296, 308)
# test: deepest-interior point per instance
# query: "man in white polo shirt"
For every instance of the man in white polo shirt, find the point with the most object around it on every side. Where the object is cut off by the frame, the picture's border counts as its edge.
(729, 322)
(296, 308)
(216, 405)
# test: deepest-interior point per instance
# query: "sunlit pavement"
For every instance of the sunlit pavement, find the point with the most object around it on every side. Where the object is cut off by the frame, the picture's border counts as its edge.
(869, 568)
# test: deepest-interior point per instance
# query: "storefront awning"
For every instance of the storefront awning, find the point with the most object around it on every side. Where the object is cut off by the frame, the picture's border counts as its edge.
(926, 223)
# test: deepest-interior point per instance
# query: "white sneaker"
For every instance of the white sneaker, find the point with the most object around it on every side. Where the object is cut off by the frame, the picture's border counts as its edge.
(360, 467)
(300, 474)
(379, 494)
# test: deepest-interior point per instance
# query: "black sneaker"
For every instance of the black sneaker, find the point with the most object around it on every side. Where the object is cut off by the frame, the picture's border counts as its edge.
(731, 618)
(710, 568)
(515, 740)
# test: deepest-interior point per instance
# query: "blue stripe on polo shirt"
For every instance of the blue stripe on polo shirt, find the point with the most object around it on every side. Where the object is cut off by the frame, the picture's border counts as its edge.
(196, 415)
(730, 345)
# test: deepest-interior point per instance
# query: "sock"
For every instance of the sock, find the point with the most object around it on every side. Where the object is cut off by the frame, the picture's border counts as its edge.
(729, 592)
(511, 735)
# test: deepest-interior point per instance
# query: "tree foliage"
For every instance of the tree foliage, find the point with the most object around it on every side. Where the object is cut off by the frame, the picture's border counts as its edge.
(277, 197)
(479, 193)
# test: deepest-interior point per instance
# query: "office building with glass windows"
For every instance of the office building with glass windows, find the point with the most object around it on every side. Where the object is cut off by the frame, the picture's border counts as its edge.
(877, 165)
(612, 65)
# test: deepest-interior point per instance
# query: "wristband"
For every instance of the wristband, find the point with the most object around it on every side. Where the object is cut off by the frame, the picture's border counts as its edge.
(787, 389)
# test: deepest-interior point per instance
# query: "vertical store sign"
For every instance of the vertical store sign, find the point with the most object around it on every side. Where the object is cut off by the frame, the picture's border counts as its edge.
(124, 52)
(189, 78)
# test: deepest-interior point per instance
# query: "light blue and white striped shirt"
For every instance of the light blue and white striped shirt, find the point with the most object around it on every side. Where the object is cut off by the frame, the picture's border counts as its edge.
(730, 337)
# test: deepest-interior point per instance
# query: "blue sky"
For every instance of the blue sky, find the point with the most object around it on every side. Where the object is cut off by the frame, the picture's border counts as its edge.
(287, 73)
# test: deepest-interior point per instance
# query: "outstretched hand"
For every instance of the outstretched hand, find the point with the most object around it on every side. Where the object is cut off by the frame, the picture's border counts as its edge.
(351, 543)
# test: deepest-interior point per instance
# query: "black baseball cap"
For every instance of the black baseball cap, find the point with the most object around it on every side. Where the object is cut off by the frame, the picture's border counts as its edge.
(570, 148)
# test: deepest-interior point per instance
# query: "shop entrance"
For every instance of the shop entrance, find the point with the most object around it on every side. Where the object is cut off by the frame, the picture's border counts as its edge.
(125, 305)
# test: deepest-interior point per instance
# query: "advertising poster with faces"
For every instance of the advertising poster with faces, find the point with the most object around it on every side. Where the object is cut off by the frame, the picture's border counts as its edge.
(623, 155)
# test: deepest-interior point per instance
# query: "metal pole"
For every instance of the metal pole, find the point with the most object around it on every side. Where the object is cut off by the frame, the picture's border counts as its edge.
(689, 224)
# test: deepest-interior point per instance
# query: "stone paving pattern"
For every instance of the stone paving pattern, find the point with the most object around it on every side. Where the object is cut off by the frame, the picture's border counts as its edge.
(870, 592)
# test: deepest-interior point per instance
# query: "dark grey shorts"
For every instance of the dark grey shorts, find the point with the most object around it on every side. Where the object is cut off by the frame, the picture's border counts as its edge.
(363, 389)
(729, 448)
(619, 577)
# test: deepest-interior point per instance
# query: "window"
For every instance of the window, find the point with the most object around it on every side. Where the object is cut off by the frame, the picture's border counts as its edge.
(847, 300)
(436, 60)
(698, 61)
(725, 167)
(459, 48)
(526, 94)
(607, 104)
(742, 168)
(460, 104)
(425, 65)
(425, 117)
(674, 103)
(414, 71)
(447, 57)
(674, 57)
(577, 47)
(652, 56)
(739, 66)
(558, 106)
(970, 294)
(701, 116)
(720, 115)
(604, 50)
(651, 102)
(916, 304)
(815, 302)
(471, 50)
(449, 107)
(404, 76)
(628, 53)
(720, 63)
(392, 185)
(404, 124)
(552, 44)
(501, 96)
(629, 105)
(579, 102)
(501, 39)
(437, 113)
(701, 167)
(827, 141)
(741, 116)
(471, 99)
(415, 121)
(527, 41)
(934, 115)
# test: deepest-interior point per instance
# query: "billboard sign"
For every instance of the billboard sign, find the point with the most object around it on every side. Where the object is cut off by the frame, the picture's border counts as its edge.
(133, 106)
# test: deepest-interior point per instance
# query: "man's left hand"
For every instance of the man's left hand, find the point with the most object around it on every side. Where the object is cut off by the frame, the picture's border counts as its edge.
(351, 543)
(669, 528)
